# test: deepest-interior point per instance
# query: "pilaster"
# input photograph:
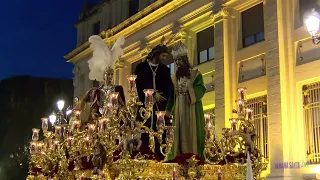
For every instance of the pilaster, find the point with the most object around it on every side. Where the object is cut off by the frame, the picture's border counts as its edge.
(222, 67)
(277, 101)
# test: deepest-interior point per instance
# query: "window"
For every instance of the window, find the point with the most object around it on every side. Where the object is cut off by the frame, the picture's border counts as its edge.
(95, 83)
(96, 28)
(306, 6)
(205, 45)
(260, 119)
(171, 66)
(311, 101)
(252, 25)
(133, 7)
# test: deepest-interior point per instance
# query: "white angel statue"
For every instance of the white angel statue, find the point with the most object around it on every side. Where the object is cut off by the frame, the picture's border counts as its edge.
(103, 58)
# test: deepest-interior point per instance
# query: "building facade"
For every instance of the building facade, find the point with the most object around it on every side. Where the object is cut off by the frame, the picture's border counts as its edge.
(262, 45)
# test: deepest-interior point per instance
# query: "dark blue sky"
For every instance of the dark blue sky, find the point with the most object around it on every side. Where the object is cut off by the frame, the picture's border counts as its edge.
(35, 35)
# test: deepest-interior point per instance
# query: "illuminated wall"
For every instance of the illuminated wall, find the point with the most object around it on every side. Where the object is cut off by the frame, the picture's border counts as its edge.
(273, 57)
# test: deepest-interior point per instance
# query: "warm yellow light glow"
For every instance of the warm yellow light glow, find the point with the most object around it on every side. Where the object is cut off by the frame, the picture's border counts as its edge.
(312, 23)
(210, 106)
(315, 169)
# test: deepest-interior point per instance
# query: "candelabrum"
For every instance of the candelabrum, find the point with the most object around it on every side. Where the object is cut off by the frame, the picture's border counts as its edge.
(63, 153)
(236, 141)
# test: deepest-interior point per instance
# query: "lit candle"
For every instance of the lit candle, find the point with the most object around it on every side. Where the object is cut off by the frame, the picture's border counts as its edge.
(108, 109)
(103, 175)
(44, 124)
(82, 177)
(35, 134)
(114, 99)
(70, 141)
(174, 174)
(66, 132)
(242, 93)
(219, 174)
(240, 107)
(91, 128)
(32, 147)
(160, 119)
(56, 145)
(132, 82)
(103, 124)
(86, 139)
(77, 113)
(233, 124)
(249, 114)
(148, 97)
(76, 125)
(57, 131)
(207, 117)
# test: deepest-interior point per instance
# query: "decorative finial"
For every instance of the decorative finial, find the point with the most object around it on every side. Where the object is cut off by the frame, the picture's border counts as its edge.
(162, 41)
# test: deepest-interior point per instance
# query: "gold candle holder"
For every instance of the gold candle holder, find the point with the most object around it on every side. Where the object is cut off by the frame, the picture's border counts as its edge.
(233, 122)
(70, 140)
(249, 114)
(91, 128)
(240, 105)
(56, 145)
(207, 118)
(66, 132)
(242, 93)
(44, 124)
(76, 125)
(113, 99)
(132, 82)
(103, 124)
(148, 97)
(160, 119)
(57, 131)
(33, 147)
(35, 134)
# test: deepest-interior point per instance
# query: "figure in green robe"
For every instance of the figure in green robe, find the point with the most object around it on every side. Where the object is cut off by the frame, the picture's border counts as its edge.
(186, 107)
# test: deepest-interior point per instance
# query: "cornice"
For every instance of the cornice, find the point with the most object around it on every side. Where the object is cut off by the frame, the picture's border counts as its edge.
(219, 16)
(195, 14)
(128, 28)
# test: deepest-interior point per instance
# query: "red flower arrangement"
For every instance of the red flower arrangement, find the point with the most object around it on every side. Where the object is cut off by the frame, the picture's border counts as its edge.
(182, 159)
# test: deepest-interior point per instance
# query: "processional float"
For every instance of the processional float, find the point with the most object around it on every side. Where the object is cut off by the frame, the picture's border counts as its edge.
(106, 146)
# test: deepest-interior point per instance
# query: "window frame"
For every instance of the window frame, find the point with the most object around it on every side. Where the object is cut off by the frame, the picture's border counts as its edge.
(198, 35)
(243, 26)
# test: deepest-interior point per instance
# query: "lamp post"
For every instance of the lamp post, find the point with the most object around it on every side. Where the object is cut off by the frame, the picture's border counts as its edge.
(60, 118)
(312, 22)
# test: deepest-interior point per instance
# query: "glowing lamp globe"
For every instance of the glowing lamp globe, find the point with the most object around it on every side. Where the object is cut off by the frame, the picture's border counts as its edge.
(312, 23)
(60, 104)
(52, 118)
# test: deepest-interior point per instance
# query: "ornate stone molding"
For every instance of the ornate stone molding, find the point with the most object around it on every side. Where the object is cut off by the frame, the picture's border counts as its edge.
(119, 63)
(145, 47)
(220, 15)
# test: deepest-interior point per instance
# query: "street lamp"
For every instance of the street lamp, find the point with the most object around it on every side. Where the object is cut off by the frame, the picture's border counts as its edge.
(52, 118)
(312, 22)
(60, 105)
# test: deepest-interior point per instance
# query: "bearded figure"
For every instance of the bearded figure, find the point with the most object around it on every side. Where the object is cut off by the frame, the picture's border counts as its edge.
(186, 106)
(154, 74)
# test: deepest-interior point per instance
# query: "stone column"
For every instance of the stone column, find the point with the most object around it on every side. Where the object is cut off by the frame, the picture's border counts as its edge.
(76, 81)
(276, 100)
(221, 75)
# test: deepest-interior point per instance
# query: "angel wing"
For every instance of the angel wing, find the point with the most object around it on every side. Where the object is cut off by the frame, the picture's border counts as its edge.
(100, 57)
(117, 50)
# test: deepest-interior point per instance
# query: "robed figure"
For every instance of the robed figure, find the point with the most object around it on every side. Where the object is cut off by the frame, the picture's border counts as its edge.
(153, 74)
(186, 106)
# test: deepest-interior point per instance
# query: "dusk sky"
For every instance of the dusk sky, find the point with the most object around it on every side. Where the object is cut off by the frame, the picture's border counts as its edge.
(35, 35)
